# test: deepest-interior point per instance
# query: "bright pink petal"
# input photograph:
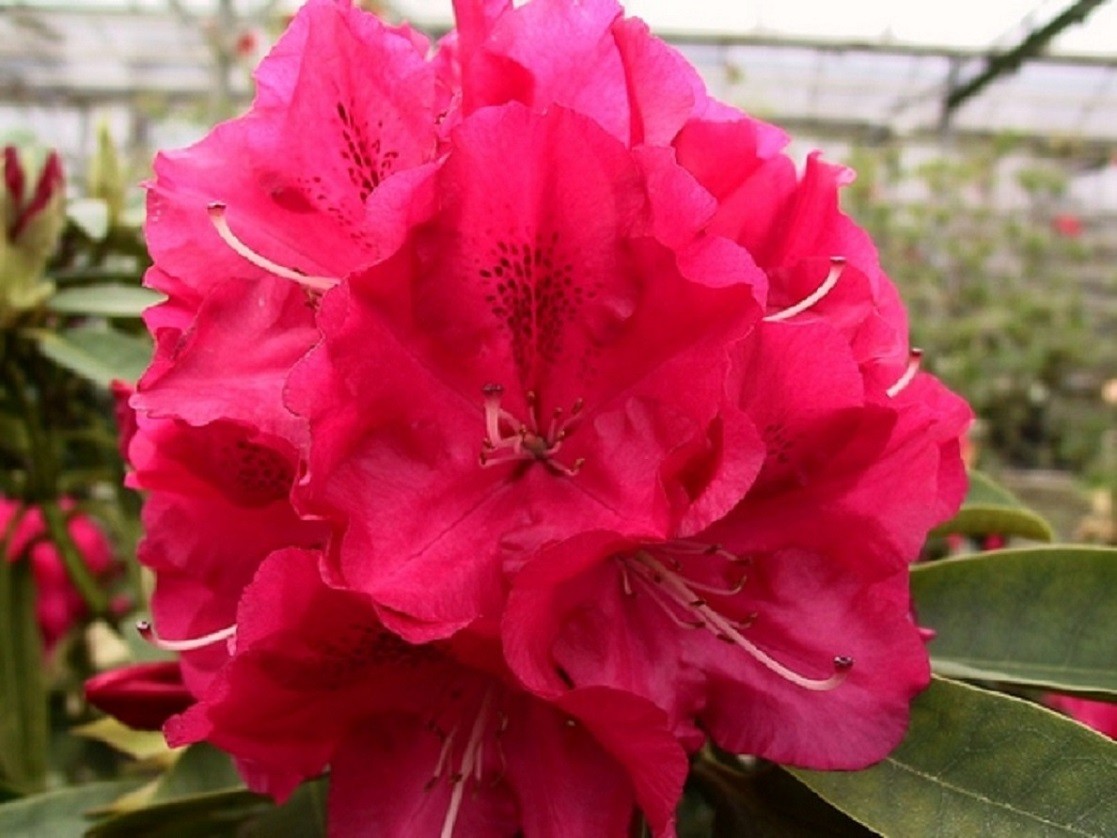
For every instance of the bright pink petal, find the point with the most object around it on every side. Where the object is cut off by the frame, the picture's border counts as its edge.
(808, 612)
(233, 362)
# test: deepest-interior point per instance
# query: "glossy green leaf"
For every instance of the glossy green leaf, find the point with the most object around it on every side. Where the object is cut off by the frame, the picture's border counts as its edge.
(1043, 616)
(766, 803)
(58, 814)
(96, 354)
(982, 763)
(138, 744)
(304, 815)
(210, 815)
(109, 300)
(229, 812)
(201, 795)
(201, 769)
(992, 509)
(24, 728)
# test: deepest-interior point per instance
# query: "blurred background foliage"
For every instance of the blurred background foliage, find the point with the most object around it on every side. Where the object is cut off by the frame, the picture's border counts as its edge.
(1014, 309)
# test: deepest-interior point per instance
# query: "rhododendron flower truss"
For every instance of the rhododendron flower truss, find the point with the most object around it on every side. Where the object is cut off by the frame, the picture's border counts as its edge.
(519, 420)
(418, 742)
(536, 360)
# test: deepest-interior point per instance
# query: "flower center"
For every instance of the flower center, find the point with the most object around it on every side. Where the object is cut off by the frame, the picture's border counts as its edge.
(687, 602)
(508, 439)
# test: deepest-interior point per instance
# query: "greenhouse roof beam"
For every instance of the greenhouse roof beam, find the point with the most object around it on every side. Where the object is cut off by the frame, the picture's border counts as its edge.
(1009, 61)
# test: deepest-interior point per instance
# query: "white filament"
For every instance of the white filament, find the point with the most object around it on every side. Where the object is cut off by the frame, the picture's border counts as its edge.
(837, 265)
(221, 224)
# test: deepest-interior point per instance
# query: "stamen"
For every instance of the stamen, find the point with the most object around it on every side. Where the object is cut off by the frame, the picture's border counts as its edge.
(914, 363)
(216, 212)
(837, 265)
(470, 761)
(148, 633)
(443, 758)
(717, 589)
(508, 439)
(679, 592)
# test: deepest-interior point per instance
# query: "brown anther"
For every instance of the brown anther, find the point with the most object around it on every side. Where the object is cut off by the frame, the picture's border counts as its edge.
(492, 390)
(698, 603)
(843, 663)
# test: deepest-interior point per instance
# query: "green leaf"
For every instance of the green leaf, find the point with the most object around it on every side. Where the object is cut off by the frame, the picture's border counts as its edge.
(982, 763)
(766, 802)
(201, 795)
(208, 815)
(24, 726)
(97, 354)
(991, 509)
(58, 813)
(138, 744)
(201, 769)
(109, 300)
(1041, 616)
(304, 815)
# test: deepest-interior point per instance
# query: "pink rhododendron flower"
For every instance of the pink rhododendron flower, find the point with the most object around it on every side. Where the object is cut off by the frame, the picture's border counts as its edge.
(58, 606)
(524, 425)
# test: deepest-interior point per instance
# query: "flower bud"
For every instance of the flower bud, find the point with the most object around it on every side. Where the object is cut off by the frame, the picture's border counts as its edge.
(143, 696)
(31, 223)
(106, 176)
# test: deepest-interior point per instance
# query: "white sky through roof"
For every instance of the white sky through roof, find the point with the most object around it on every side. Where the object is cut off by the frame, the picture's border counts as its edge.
(943, 23)
(946, 23)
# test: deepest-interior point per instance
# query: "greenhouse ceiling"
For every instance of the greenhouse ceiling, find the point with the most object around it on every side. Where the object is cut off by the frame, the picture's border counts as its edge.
(867, 67)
